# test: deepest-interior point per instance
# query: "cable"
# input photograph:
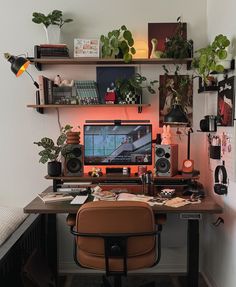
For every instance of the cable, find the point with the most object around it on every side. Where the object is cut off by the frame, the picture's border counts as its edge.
(58, 120)
(35, 83)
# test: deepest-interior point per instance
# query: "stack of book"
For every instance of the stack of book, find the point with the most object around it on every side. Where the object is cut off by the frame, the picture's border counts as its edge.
(87, 92)
(45, 90)
(51, 51)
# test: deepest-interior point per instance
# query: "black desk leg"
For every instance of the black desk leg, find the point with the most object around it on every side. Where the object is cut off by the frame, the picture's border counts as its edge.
(51, 243)
(193, 253)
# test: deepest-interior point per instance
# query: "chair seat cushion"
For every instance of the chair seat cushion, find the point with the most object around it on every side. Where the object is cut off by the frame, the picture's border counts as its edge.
(10, 219)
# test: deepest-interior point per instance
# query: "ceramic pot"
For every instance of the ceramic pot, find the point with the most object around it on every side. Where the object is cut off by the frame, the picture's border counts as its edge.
(131, 98)
(54, 168)
(53, 34)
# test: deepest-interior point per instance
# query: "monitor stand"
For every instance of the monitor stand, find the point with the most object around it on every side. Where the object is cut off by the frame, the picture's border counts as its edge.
(120, 171)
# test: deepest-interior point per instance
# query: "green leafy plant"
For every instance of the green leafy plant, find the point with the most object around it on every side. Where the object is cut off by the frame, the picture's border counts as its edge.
(177, 46)
(207, 59)
(52, 151)
(117, 43)
(134, 85)
(53, 18)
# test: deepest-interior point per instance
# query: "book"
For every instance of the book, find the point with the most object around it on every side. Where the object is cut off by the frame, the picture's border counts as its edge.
(40, 110)
(55, 197)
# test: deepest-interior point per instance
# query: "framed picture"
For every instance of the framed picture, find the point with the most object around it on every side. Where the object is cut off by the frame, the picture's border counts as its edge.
(225, 106)
(106, 77)
(86, 48)
(183, 85)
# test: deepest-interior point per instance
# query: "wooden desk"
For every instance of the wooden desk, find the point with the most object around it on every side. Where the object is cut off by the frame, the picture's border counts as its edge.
(207, 206)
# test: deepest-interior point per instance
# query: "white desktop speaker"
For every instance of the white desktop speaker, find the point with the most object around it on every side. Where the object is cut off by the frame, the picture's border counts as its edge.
(166, 160)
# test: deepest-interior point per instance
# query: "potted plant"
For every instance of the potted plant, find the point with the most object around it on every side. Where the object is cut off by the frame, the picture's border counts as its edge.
(52, 24)
(131, 89)
(51, 152)
(177, 46)
(118, 43)
(207, 60)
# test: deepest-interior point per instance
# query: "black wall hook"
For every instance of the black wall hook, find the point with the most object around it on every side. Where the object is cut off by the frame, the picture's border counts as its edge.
(218, 221)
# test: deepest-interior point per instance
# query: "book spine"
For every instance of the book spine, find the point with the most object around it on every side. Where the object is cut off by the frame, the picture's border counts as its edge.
(45, 88)
(41, 90)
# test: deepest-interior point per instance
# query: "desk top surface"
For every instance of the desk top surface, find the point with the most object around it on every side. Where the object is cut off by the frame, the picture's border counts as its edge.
(208, 205)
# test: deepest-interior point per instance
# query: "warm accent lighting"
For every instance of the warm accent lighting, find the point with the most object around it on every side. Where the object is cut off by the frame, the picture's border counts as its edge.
(19, 65)
(141, 50)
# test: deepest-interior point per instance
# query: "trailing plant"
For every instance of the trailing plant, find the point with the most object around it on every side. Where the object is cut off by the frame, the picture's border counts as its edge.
(53, 18)
(52, 151)
(178, 46)
(134, 85)
(207, 59)
(117, 43)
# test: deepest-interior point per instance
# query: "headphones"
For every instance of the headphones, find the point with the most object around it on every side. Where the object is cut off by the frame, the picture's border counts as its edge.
(220, 188)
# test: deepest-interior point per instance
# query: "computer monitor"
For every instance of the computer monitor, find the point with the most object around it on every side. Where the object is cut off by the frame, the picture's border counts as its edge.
(118, 144)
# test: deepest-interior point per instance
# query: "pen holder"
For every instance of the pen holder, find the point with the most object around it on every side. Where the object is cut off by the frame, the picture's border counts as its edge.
(215, 151)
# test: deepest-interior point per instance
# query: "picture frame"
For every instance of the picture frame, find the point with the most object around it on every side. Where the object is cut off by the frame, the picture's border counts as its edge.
(86, 48)
(226, 102)
(166, 95)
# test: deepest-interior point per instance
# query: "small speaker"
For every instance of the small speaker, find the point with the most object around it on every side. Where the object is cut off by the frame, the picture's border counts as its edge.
(166, 160)
(73, 164)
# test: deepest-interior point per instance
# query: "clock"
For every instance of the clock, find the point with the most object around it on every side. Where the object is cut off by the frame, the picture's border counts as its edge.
(188, 165)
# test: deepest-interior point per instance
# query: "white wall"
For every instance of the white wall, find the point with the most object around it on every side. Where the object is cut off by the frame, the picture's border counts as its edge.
(22, 177)
(220, 243)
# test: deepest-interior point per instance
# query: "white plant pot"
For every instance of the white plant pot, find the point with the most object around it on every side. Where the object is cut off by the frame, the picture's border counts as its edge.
(53, 34)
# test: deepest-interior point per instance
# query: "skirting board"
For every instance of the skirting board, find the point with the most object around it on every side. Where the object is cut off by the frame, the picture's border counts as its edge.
(208, 279)
(71, 267)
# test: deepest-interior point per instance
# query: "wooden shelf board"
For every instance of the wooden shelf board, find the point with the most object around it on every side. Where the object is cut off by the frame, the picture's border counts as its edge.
(99, 61)
(89, 106)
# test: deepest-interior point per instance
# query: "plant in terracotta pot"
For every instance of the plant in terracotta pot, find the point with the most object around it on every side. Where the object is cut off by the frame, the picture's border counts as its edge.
(52, 23)
(130, 90)
(51, 152)
(118, 44)
(207, 59)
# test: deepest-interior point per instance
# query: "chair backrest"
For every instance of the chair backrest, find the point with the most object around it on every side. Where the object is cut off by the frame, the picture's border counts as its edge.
(115, 219)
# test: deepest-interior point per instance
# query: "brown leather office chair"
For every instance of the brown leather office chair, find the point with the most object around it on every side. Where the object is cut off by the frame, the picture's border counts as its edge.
(116, 237)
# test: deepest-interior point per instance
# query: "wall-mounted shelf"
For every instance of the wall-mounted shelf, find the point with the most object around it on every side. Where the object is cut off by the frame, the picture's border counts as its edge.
(38, 62)
(139, 106)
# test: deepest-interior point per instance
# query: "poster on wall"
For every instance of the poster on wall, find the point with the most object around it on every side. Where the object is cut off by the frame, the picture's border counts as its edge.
(225, 106)
(170, 86)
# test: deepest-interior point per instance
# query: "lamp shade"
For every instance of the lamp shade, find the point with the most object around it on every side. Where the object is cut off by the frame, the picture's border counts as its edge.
(176, 116)
(18, 64)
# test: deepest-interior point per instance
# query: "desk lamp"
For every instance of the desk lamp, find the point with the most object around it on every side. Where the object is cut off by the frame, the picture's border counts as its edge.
(19, 65)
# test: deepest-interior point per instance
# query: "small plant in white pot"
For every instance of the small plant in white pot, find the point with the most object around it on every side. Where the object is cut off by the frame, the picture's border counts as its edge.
(52, 24)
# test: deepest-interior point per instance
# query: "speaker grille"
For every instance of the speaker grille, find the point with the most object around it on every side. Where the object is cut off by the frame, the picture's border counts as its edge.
(162, 165)
(73, 165)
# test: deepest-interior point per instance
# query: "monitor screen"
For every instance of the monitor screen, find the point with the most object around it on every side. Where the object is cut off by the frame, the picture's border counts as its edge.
(117, 144)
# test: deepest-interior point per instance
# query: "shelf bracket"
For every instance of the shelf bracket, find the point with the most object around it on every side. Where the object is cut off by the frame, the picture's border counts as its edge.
(140, 109)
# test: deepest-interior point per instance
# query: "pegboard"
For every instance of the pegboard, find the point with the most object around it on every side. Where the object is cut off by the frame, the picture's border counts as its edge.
(227, 152)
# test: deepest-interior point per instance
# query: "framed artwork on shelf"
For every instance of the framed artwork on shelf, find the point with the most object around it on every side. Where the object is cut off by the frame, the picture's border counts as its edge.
(86, 48)
(226, 102)
(106, 77)
(87, 93)
(161, 32)
(169, 85)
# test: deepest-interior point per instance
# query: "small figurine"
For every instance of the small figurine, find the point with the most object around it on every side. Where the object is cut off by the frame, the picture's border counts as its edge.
(110, 95)
(155, 54)
(63, 83)
(166, 135)
(95, 172)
